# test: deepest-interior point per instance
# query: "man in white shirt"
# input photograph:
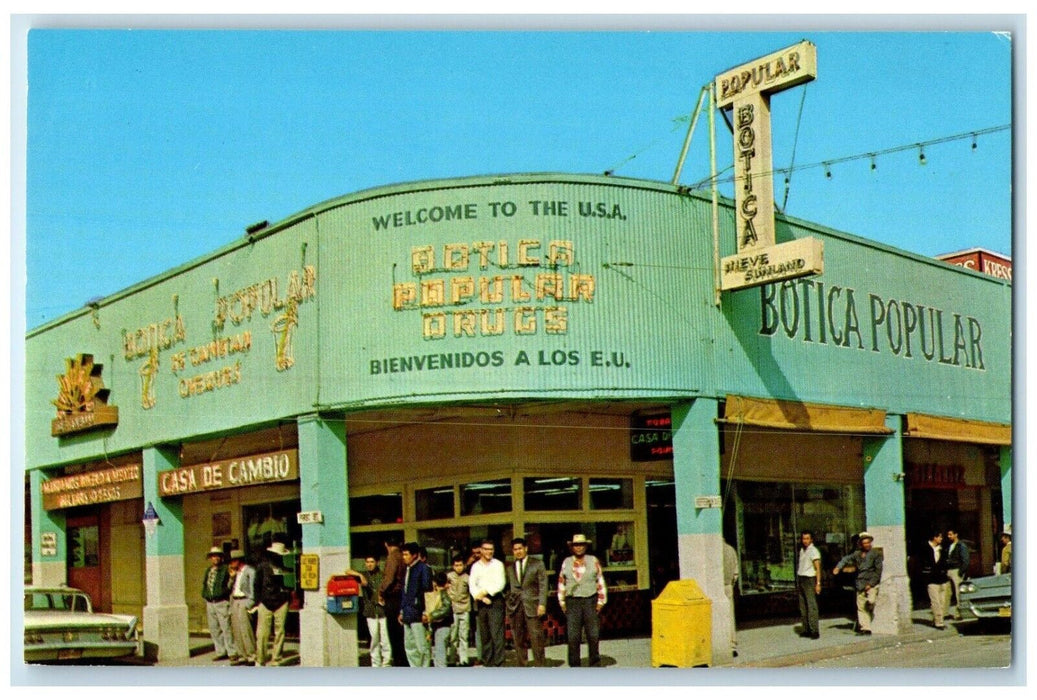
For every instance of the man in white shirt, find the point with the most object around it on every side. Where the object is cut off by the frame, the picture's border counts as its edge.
(808, 584)
(486, 582)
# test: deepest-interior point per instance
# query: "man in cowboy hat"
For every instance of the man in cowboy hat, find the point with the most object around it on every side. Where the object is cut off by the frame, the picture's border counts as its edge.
(868, 563)
(582, 594)
(273, 604)
(242, 599)
(216, 592)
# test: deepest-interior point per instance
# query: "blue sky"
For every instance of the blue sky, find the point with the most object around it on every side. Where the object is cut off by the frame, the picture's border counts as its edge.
(146, 149)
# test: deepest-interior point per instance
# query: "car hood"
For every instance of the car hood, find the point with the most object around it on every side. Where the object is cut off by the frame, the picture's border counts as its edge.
(996, 581)
(47, 619)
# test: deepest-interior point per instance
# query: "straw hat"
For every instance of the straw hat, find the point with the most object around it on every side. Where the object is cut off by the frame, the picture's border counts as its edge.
(277, 548)
(215, 551)
(579, 539)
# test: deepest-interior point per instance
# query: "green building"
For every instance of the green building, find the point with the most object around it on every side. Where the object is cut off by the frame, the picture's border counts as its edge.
(534, 355)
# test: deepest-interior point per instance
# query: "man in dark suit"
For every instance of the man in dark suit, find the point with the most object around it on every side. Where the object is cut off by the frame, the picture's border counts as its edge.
(934, 573)
(527, 603)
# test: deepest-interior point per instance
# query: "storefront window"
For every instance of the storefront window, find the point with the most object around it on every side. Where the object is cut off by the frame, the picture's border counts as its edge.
(552, 493)
(612, 494)
(265, 522)
(83, 547)
(486, 497)
(384, 508)
(370, 544)
(437, 502)
(769, 517)
(444, 542)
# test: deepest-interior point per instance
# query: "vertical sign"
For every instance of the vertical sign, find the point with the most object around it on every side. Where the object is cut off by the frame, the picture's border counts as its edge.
(746, 89)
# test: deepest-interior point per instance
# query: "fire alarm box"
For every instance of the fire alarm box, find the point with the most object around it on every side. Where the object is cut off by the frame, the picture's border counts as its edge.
(343, 595)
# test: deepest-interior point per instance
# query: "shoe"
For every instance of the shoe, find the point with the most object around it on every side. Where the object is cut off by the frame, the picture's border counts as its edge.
(220, 657)
(940, 627)
(815, 635)
(238, 662)
(734, 653)
(862, 633)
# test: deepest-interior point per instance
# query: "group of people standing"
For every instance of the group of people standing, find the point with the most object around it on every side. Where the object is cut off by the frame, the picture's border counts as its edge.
(941, 564)
(865, 562)
(236, 592)
(417, 617)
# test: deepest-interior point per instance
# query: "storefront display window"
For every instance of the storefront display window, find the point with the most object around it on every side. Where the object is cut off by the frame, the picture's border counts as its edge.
(378, 509)
(768, 520)
(434, 503)
(83, 546)
(443, 543)
(612, 494)
(552, 493)
(486, 497)
(370, 544)
(265, 522)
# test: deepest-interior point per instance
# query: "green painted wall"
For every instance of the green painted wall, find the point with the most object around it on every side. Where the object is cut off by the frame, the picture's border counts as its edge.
(639, 322)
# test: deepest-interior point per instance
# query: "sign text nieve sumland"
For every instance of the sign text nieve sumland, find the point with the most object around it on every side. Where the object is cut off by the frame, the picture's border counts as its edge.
(746, 90)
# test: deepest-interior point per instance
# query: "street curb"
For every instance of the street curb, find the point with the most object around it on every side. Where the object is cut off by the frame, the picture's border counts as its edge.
(831, 652)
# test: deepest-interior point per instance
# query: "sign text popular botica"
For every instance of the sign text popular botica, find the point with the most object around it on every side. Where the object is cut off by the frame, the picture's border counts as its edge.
(746, 90)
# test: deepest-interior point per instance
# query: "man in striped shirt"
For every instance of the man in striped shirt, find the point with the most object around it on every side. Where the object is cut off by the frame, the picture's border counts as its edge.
(582, 595)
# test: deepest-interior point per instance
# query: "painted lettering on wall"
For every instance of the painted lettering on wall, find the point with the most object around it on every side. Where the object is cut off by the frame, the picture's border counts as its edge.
(612, 359)
(470, 211)
(525, 301)
(814, 312)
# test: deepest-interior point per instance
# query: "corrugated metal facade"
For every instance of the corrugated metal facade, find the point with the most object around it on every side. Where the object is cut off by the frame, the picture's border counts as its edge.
(613, 300)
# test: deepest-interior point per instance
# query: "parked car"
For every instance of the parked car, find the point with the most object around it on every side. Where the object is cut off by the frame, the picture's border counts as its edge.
(60, 624)
(987, 596)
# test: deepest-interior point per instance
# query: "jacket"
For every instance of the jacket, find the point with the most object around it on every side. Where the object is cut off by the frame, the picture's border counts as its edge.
(531, 591)
(246, 582)
(270, 589)
(958, 558)
(412, 600)
(220, 589)
(932, 571)
(369, 590)
(868, 565)
(443, 615)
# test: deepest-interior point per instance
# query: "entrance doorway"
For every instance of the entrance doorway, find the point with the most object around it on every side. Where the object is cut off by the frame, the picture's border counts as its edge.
(84, 560)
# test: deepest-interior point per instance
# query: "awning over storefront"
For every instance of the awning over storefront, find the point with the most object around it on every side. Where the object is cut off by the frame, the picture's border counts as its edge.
(920, 425)
(777, 413)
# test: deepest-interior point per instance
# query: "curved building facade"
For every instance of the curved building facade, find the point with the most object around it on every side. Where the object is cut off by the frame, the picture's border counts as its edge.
(530, 354)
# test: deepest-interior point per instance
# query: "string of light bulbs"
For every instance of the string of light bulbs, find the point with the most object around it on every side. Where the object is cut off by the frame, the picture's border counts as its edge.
(869, 155)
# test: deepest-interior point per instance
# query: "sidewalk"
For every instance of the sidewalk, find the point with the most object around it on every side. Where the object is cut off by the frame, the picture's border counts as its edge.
(766, 644)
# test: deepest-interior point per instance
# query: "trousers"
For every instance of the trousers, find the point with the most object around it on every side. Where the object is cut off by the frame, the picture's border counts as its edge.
(581, 615)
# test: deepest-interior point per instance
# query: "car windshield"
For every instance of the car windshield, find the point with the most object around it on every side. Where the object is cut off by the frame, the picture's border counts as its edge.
(72, 602)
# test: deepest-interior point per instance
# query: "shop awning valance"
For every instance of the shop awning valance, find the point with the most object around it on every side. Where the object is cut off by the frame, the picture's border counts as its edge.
(795, 415)
(920, 425)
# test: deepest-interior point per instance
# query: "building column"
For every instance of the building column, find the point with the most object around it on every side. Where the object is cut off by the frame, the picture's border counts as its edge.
(886, 517)
(1006, 487)
(50, 570)
(325, 639)
(696, 472)
(165, 612)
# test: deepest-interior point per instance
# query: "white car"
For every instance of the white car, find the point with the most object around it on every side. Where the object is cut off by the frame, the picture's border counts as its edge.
(60, 625)
(987, 596)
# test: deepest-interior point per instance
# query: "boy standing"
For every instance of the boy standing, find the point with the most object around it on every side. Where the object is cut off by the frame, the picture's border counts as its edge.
(461, 604)
(440, 620)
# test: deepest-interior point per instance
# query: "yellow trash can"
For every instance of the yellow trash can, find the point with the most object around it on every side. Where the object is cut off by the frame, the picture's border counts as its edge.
(682, 626)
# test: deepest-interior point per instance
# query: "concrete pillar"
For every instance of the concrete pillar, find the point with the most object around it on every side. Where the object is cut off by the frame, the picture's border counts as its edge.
(1006, 487)
(696, 472)
(884, 503)
(50, 570)
(325, 639)
(165, 612)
